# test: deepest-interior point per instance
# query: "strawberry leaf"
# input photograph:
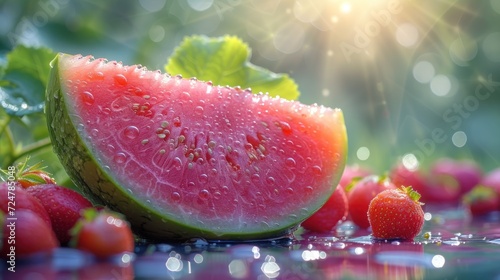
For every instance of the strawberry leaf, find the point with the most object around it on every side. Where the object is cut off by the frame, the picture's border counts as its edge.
(225, 61)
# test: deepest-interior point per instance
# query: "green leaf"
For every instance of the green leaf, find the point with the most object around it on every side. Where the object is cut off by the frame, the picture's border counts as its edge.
(226, 61)
(22, 85)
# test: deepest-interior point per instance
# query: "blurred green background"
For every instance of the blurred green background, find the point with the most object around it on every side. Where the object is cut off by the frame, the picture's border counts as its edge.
(419, 79)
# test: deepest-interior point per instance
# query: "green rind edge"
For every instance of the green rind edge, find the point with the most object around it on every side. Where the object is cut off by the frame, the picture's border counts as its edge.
(94, 182)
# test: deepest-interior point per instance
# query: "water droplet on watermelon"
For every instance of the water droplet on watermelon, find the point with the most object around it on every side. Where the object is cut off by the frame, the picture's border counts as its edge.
(256, 178)
(176, 197)
(131, 132)
(217, 195)
(120, 79)
(289, 191)
(271, 181)
(177, 163)
(204, 194)
(106, 111)
(119, 158)
(185, 95)
(99, 75)
(94, 132)
(290, 162)
(199, 110)
(316, 170)
(203, 178)
(285, 127)
(88, 98)
(309, 190)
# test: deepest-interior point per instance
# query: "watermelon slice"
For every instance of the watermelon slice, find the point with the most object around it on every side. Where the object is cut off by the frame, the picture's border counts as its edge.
(186, 159)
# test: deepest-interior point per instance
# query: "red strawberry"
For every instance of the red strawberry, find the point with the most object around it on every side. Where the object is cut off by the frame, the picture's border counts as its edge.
(396, 214)
(18, 198)
(63, 205)
(492, 179)
(31, 235)
(461, 175)
(330, 214)
(481, 200)
(102, 233)
(28, 176)
(431, 191)
(360, 195)
(352, 172)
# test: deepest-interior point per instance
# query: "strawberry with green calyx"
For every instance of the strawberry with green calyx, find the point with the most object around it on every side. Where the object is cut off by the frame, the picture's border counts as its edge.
(103, 233)
(63, 206)
(396, 214)
(361, 192)
(30, 175)
(481, 200)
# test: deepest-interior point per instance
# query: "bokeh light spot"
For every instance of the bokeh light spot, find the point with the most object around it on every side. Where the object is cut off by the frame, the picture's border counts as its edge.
(410, 162)
(156, 33)
(423, 71)
(438, 261)
(440, 85)
(345, 8)
(325, 92)
(289, 38)
(407, 35)
(238, 269)
(363, 153)
(427, 216)
(462, 51)
(200, 5)
(491, 46)
(495, 4)
(173, 264)
(152, 5)
(459, 139)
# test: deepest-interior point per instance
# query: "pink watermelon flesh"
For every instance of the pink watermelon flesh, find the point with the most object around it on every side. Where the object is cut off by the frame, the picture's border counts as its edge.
(222, 161)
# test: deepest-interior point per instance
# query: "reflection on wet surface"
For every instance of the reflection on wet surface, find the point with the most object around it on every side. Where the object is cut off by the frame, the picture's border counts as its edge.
(451, 246)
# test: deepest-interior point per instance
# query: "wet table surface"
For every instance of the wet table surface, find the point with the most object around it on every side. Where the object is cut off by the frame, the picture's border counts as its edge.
(452, 245)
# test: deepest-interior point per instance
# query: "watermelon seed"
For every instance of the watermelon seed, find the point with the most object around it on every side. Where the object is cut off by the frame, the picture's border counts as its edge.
(144, 141)
(131, 132)
(164, 124)
(162, 151)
